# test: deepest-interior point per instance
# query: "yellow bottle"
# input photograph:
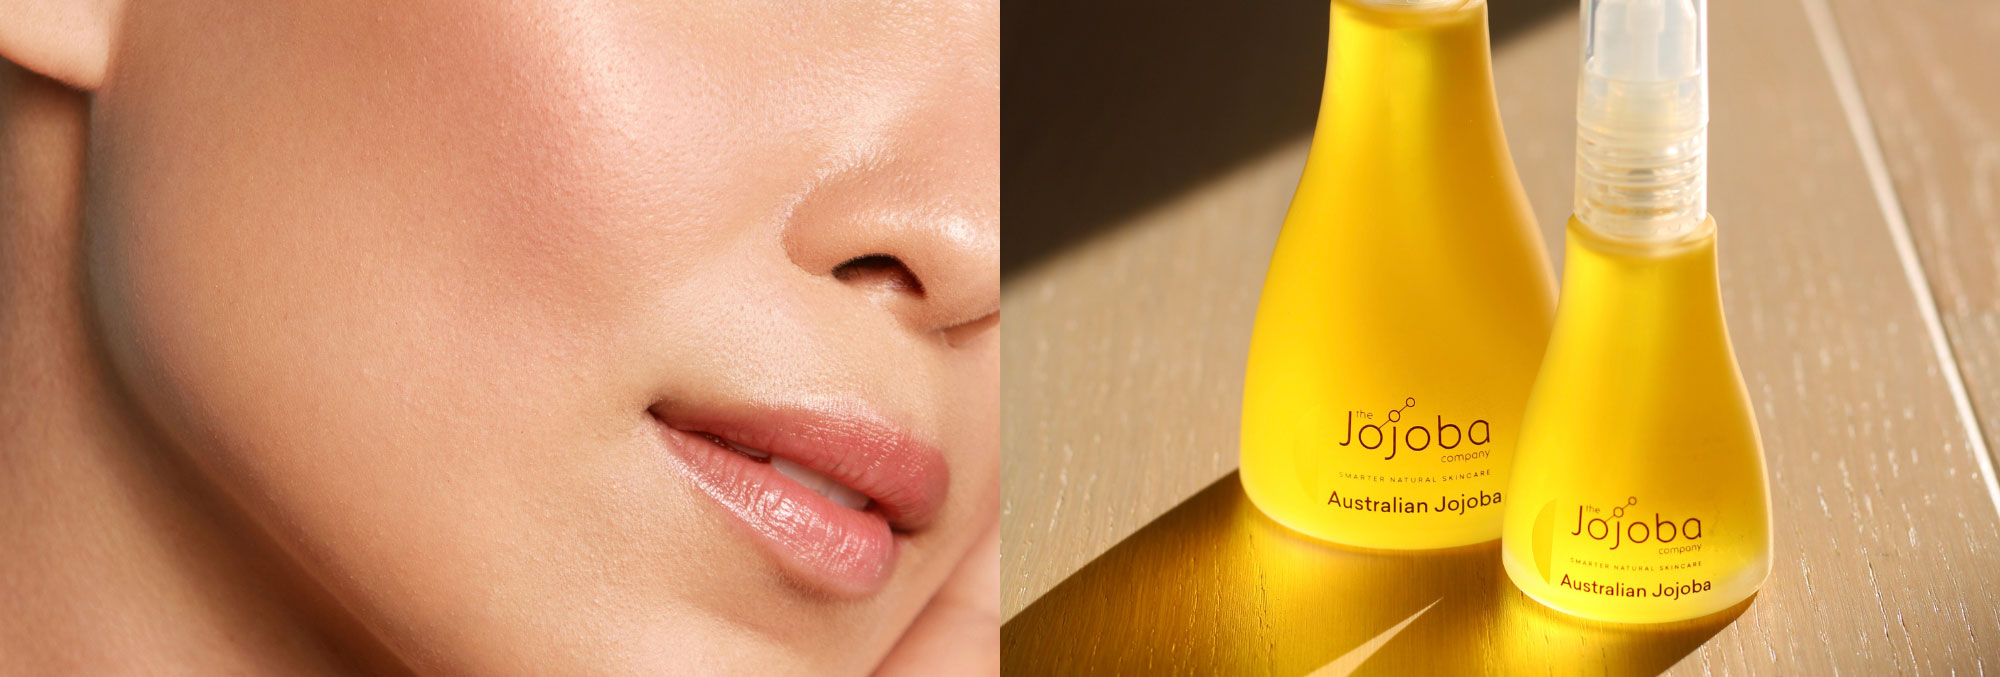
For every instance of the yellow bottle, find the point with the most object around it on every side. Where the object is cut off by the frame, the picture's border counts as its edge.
(1638, 491)
(1408, 299)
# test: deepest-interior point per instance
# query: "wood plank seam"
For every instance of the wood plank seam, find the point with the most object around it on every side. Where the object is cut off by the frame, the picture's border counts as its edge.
(1833, 51)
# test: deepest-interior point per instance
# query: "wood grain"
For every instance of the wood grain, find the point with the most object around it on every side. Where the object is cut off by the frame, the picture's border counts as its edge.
(1929, 73)
(1122, 373)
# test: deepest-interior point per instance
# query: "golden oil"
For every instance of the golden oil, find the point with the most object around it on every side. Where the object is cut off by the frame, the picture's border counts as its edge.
(1639, 491)
(1408, 299)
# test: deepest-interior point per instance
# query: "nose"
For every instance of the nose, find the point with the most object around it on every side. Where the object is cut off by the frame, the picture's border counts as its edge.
(914, 225)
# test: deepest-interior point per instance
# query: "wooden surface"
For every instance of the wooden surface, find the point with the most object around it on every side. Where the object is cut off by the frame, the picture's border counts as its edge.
(1855, 170)
(1929, 73)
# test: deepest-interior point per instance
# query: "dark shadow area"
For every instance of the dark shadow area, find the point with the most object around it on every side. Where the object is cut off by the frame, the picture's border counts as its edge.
(1109, 107)
(1215, 587)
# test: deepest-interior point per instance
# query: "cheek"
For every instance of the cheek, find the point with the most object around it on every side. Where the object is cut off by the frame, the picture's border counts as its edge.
(976, 405)
(371, 299)
(320, 228)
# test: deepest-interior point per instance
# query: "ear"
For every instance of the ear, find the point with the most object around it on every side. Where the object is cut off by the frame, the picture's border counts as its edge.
(65, 40)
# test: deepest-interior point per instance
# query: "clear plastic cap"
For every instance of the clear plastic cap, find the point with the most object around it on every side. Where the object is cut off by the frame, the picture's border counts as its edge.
(1642, 119)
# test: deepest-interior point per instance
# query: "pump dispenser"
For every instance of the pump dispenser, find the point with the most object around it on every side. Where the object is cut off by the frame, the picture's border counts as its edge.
(1408, 300)
(1638, 493)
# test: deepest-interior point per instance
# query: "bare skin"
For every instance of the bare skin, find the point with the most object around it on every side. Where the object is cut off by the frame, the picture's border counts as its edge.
(351, 339)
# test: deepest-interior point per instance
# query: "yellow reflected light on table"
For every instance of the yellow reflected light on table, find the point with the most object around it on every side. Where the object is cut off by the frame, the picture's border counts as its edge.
(1216, 587)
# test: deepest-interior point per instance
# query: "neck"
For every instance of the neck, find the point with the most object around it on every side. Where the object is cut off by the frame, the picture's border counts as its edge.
(1409, 85)
(118, 558)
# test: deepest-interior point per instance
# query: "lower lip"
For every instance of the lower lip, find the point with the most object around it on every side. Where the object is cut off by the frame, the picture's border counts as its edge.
(828, 547)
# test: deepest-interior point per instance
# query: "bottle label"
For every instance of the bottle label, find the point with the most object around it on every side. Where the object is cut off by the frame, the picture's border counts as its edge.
(1400, 460)
(1624, 550)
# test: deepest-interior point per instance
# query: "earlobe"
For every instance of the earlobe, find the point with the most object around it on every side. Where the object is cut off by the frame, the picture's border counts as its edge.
(64, 40)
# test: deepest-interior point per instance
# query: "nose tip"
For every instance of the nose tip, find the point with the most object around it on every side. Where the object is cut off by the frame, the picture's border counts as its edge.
(937, 269)
(917, 230)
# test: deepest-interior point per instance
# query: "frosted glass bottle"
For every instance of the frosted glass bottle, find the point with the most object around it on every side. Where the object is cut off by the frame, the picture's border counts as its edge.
(1639, 493)
(1408, 300)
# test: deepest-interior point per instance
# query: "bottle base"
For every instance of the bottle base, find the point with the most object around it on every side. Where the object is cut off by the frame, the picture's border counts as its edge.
(1693, 613)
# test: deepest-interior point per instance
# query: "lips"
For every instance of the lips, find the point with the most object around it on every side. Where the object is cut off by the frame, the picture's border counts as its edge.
(827, 494)
(841, 494)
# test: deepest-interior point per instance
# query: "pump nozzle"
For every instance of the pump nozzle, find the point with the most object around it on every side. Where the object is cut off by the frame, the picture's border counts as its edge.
(1642, 119)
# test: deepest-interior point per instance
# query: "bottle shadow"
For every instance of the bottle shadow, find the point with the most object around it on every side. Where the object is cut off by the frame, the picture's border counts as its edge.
(1216, 587)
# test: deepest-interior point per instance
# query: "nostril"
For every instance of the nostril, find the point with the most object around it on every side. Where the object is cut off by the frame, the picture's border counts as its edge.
(879, 271)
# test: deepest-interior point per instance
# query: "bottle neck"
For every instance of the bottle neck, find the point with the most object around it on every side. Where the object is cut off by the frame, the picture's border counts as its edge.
(1651, 298)
(1409, 74)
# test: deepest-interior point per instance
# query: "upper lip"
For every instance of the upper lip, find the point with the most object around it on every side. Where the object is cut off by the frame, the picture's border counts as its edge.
(904, 476)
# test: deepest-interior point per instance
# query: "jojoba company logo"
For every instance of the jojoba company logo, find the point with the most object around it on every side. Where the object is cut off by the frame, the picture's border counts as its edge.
(1398, 438)
(1618, 532)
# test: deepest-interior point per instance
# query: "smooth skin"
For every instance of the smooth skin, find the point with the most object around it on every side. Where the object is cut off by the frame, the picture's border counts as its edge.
(329, 330)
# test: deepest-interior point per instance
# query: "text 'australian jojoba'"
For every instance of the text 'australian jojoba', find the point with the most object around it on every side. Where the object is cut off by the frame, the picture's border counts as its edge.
(1398, 504)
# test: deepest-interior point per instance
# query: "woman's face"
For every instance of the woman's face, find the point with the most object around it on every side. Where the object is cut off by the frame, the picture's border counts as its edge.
(458, 299)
